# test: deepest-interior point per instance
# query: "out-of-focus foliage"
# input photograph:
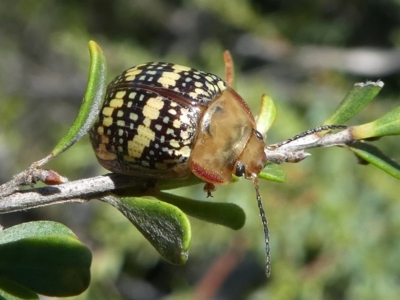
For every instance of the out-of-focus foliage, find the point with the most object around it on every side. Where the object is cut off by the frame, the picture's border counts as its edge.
(334, 224)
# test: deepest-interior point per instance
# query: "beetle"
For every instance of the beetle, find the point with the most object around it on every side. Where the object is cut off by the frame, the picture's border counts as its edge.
(163, 120)
(166, 121)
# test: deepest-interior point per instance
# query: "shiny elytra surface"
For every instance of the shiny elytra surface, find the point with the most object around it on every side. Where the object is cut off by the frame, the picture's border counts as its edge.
(150, 118)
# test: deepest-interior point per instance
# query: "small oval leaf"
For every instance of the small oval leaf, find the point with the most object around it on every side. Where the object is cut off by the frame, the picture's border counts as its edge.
(90, 107)
(374, 156)
(388, 124)
(164, 225)
(267, 114)
(92, 101)
(170, 184)
(226, 214)
(49, 260)
(33, 229)
(355, 100)
(272, 172)
(11, 291)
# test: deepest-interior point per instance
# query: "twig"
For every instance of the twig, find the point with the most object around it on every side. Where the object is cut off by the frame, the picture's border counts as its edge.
(13, 199)
(74, 191)
(293, 150)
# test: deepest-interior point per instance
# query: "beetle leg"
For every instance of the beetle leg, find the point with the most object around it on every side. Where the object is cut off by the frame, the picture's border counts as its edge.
(209, 188)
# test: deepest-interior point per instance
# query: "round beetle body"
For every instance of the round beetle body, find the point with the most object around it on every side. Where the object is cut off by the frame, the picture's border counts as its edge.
(166, 121)
(162, 120)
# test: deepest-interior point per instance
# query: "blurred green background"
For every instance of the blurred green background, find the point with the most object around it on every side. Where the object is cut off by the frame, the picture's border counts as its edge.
(335, 225)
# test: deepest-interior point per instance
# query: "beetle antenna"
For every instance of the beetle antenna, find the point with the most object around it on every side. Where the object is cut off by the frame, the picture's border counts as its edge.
(265, 226)
(309, 132)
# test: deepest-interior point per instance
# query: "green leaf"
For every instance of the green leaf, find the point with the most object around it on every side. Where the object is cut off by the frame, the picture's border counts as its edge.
(267, 114)
(45, 257)
(389, 124)
(170, 184)
(92, 101)
(31, 229)
(272, 172)
(91, 104)
(12, 291)
(165, 226)
(356, 99)
(226, 214)
(374, 156)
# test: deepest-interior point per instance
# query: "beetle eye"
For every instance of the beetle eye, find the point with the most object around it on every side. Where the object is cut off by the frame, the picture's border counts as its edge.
(240, 169)
(258, 135)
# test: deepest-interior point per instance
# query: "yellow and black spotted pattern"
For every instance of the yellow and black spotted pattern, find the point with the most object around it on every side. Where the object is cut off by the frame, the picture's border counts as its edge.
(150, 118)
